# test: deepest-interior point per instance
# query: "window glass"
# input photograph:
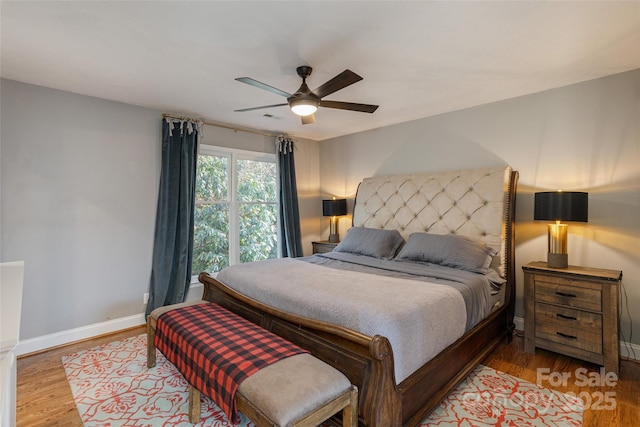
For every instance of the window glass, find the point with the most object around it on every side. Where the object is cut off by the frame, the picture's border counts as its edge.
(236, 209)
(257, 210)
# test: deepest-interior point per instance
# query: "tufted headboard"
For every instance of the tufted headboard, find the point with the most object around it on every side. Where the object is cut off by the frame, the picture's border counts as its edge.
(476, 203)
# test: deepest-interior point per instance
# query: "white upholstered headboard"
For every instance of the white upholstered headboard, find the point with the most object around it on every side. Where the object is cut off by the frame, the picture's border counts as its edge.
(472, 203)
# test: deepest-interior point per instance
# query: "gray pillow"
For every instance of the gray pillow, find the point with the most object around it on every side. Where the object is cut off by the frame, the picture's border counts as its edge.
(371, 242)
(449, 250)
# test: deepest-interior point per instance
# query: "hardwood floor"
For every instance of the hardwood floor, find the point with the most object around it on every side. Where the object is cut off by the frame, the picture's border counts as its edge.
(43, 393)
(606, 404)
(44, 396)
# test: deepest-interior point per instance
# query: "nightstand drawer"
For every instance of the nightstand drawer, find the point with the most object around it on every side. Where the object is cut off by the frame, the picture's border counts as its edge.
(323, 247)
(556, 291)
(590, 341)
(567, 317)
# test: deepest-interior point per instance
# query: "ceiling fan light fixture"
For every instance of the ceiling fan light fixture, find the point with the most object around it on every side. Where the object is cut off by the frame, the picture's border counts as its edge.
(304, 107)
(305, 102)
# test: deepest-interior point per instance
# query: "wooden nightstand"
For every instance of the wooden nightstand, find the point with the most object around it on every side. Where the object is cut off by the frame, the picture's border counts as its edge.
(323, 246)
(573, 311)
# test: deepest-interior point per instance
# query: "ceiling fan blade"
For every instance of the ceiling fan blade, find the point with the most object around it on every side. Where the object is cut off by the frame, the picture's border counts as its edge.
(261, 107)
(342, 80)
(363, 108)
(307, 120)
(252, 82)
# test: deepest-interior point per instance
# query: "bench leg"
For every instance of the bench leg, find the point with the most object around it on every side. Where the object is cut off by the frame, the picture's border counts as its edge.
(350, 412)
(151, 349)
(194, 404)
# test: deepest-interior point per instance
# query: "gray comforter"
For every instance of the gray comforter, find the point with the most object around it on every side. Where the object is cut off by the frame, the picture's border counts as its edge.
(475, 289)
(420, 314)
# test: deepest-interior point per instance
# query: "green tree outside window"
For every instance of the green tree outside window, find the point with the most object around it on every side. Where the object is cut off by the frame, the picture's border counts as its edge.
(244, 209)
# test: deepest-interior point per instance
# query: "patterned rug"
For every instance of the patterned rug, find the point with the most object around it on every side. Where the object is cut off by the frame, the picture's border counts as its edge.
(113, 387)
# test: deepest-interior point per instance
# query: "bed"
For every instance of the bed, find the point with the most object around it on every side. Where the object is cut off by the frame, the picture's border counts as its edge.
(441, 239)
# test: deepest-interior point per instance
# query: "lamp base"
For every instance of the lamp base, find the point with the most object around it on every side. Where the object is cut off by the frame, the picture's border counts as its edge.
(557, 260)
(334, 237)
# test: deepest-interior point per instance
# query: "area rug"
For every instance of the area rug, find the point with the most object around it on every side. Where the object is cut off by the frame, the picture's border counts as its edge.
(112, 387)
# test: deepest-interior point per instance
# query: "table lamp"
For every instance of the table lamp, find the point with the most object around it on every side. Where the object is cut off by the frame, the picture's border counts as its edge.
(334, 208)
(559, 206)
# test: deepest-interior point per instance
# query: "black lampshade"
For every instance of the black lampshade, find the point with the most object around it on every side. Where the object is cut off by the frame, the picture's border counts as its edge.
(561, 206)
(334, 207)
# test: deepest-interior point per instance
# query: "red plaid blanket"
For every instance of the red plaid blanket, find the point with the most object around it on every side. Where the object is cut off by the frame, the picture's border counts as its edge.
(215, 350)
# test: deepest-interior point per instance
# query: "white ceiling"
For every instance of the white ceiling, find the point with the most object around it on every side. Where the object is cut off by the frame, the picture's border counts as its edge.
(417, 58)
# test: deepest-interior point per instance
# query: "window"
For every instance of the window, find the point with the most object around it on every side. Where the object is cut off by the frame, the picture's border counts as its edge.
(236, 208)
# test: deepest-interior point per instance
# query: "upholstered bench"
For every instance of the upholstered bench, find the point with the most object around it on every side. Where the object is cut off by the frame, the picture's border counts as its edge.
(299, 390)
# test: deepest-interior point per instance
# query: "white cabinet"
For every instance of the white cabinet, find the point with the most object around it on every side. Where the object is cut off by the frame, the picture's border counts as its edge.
(11, 276)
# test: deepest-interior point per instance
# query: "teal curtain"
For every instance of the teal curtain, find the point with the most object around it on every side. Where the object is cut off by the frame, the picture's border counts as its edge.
(291, 245)
(173, 239)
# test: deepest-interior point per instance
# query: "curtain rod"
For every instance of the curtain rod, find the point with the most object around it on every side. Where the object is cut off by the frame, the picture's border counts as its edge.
(235, 129)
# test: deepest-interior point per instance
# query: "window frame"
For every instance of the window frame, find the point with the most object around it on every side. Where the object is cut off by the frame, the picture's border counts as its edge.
(235, 154)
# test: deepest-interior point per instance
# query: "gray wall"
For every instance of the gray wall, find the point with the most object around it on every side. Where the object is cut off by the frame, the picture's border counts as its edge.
(79, 184)
(582, 137)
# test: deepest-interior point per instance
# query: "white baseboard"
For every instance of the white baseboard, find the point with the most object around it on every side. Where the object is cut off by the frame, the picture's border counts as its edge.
(627, 350)
(519, 322)
(65, 337)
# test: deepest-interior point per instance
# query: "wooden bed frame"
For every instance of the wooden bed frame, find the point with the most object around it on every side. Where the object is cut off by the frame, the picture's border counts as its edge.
(368, 361)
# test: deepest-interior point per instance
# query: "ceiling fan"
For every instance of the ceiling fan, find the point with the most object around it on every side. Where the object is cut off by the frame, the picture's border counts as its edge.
(304, 102)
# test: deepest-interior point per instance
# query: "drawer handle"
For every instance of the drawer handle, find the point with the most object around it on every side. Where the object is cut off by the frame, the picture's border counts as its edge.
(562, 316)
(564, 294)
(567, 336)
